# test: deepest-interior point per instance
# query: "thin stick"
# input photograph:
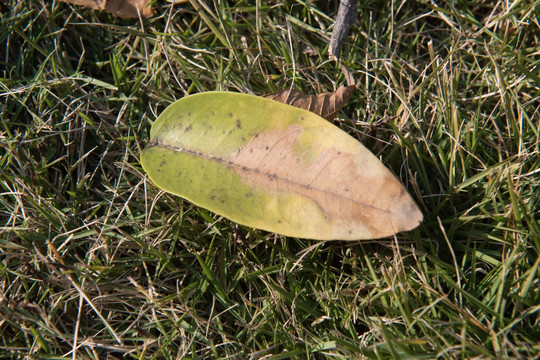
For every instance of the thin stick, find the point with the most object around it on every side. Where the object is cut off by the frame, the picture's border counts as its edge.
(344, 19)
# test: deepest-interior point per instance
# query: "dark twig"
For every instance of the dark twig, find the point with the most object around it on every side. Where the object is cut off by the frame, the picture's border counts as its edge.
(344, 19)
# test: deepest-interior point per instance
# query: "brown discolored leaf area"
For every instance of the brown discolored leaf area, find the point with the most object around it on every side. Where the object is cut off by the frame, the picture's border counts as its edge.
(121, 8)
(326, 105)
(348, 190)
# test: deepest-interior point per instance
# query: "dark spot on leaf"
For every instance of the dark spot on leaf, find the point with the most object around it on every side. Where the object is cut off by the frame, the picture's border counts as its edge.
(301, 118)
(266, 147)
(213, 197)
(243, 138)
(189, 128)
(212, 113)
(163, 162)
(279, 221)
(229, 114)
(222, 201)
(249, 195)
(238, 123)
(339, 152)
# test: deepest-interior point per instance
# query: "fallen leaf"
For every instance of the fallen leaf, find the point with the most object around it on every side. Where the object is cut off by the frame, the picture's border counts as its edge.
(129, 8)
(326, 105)
(121, 8)
(92, 4)
(275, 167)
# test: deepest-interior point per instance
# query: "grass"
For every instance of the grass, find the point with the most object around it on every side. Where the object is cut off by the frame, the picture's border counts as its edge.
(96, 262)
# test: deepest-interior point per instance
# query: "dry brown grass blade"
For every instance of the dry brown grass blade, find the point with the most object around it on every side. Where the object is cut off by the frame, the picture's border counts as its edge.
(326, 105)
(121, 8)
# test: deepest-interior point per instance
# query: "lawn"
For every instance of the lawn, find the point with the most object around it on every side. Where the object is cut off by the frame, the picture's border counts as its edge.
(96, 262)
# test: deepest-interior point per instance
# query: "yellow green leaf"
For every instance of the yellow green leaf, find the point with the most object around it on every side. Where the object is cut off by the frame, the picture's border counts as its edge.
(275, 167)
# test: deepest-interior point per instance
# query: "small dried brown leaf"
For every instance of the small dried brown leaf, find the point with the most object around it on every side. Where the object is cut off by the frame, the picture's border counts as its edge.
(92, 4)
(121, 8)
(129, 8)
(326, 105)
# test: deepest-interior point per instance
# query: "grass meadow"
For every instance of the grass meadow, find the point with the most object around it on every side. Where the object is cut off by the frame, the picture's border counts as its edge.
(97, 263)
